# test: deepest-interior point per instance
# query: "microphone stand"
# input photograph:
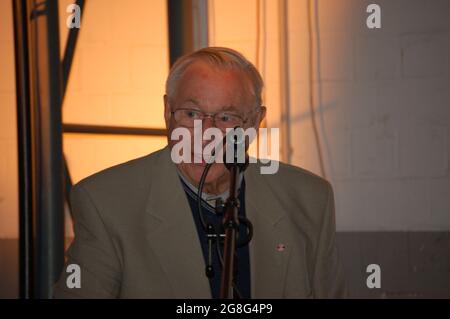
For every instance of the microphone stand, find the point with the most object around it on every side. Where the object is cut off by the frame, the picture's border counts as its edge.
(231, 226)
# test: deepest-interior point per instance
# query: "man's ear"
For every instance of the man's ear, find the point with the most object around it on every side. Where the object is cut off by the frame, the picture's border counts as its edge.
(261, 115)
(167, 114)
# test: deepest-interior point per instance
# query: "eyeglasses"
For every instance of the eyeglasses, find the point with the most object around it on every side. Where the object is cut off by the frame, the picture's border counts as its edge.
(222, 120)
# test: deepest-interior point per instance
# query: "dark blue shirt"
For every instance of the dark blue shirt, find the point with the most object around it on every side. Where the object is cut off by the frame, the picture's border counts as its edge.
(242, 275)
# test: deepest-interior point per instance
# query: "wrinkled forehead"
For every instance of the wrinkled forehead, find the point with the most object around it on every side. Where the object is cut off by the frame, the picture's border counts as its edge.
(211, 86)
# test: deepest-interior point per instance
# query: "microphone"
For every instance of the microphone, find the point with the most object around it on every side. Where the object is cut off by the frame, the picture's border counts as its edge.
(235, 148)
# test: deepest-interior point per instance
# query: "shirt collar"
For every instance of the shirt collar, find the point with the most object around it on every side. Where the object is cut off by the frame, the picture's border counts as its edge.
(209, 198)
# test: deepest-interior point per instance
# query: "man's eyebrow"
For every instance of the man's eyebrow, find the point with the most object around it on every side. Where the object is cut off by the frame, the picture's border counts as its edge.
(225, 108)
(230, 108)
(192, 101)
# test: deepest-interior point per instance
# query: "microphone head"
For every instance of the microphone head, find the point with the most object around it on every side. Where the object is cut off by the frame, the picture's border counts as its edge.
(235, 146)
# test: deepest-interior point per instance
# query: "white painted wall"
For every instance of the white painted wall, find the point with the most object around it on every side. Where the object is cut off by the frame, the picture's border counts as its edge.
(382, 102)
(383, 110)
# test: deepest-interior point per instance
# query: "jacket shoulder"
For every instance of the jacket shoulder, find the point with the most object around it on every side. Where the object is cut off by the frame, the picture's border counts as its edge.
(294, 177)
(133, 172)
(303, 194)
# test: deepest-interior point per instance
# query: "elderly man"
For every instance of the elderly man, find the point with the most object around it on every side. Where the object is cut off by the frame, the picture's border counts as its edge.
(139, 234)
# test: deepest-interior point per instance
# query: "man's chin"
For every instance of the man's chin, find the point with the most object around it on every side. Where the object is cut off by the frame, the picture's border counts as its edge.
(195, 171)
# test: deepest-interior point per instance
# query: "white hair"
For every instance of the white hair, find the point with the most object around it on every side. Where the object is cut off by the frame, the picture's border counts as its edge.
(219, 57)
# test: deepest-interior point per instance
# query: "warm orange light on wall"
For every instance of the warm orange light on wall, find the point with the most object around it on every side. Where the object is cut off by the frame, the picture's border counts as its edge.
(117, 79)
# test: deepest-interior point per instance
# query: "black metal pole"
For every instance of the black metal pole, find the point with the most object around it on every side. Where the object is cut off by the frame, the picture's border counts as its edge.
(69, 53)
(231, 218)
(180, 28)
(46, 89)
(24, 147)
(230, 224)
(175, 20)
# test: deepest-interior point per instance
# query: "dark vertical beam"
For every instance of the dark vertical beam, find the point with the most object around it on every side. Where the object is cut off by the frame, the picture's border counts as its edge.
(180, 28)
(178, 25)
(188, 26)
(24, 146)
(51, 217)
(46, 103)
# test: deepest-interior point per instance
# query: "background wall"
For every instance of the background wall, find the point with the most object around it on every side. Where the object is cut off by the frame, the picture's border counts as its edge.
(8, 139)
(382, 101)
(381, 111)
(8, 158)
(118, 76)
(382, 114)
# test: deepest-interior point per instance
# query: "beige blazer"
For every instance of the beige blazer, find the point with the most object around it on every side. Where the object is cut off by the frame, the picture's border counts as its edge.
(135, 236)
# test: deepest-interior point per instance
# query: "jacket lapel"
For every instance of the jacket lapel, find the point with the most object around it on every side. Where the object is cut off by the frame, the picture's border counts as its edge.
(172, 232)
(270, 247)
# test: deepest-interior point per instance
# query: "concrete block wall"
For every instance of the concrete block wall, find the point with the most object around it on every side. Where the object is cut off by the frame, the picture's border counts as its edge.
(117, 78)
(383, 110)
(413, 264)
(383, 114)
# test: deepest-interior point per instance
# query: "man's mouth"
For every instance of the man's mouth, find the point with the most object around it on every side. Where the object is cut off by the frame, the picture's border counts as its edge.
(199, 159)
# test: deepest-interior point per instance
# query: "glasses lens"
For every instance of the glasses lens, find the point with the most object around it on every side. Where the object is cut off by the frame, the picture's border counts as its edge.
(228, 120)
(186, 117)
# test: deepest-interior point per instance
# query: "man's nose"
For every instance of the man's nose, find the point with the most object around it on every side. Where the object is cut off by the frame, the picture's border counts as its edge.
(208, 122)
